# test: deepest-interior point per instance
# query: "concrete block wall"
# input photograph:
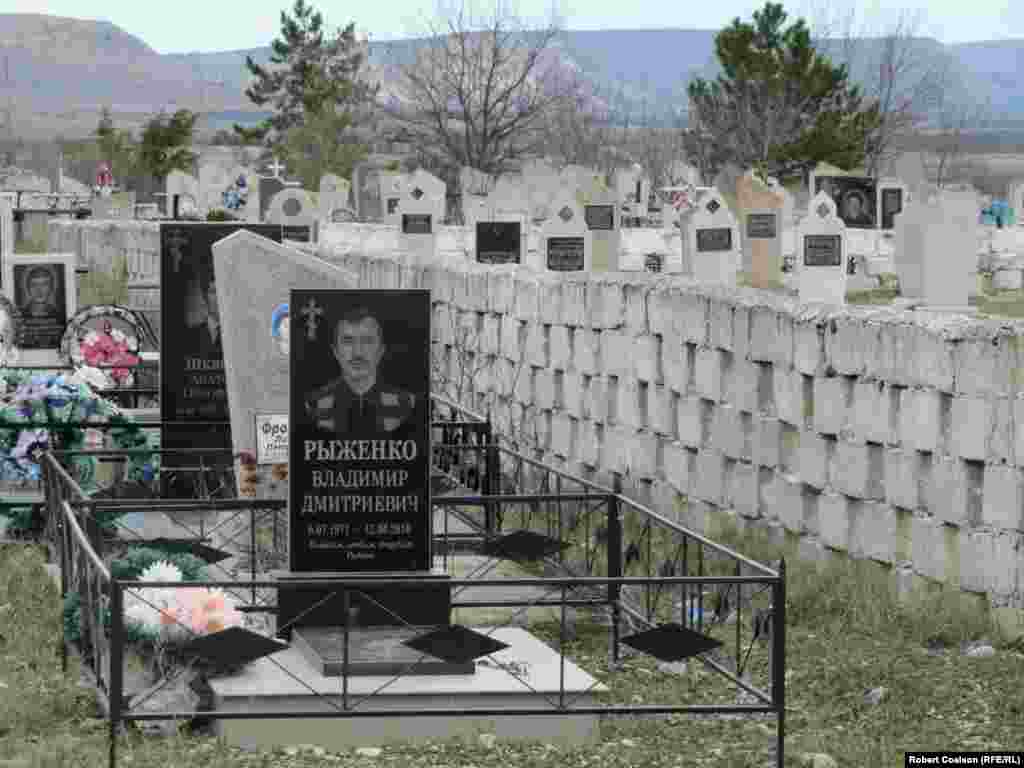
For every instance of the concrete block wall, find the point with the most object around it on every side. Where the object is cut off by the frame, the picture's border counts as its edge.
(879, 433)
(885, 434)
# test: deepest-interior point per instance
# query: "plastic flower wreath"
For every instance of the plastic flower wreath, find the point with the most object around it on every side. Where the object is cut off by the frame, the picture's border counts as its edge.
(111, 347)
(236, 196)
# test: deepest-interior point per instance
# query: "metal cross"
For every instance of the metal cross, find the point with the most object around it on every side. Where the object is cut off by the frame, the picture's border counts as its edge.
(312, 314)
(276, 168)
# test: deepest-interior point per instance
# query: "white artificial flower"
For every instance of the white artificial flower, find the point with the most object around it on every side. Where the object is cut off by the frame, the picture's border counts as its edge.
(117, 335)
(91, 338)
(161, 571)
(92, 377)
(142, 607)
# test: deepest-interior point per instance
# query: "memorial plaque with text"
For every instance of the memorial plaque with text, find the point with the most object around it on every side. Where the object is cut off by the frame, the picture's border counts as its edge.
(416, 224)
(359, 447)
(714, 239)
(761, 226)
(823, 250)
(192, 387)
(892, 203)
(566, 254)
(599, 216)
(498, 242)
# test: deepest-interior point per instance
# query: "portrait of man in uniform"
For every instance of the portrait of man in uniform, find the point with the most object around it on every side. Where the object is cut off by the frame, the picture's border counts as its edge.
(358, 402)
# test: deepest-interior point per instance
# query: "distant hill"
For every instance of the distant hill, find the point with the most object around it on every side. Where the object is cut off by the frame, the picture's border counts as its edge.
(54, 69)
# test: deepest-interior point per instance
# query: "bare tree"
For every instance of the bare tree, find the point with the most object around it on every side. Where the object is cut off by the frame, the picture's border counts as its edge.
(477, 89)
(957, 114)
(903, 72)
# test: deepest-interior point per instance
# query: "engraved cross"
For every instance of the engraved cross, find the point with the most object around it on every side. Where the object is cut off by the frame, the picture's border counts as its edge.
(312, 314)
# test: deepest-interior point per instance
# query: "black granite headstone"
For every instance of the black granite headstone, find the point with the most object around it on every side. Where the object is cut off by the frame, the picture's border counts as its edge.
(823, 250)
(566, 254)
(761, 226)
(892, 203)
(498, 242)
(359, 483)
(192, 387)
(855, 198)
(714, 239)
(416, 224)
(269, 186)
(599, 216)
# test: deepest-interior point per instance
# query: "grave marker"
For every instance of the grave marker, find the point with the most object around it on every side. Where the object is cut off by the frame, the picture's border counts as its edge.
(192, 386)
(710, 240)
(293, 207)
(499, 242)
(42, 288)
(334, 194)
(565, 244)
(761, 208)
(855, 198)
(821, 258)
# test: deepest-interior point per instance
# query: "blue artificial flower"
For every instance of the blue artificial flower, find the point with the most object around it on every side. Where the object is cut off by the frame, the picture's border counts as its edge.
(148, 473)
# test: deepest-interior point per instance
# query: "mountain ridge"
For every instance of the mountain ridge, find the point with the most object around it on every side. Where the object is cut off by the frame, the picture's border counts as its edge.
(61, 65)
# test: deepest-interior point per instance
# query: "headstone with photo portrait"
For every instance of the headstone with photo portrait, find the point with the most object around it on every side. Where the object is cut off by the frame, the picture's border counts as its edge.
(710, 240)
(192, 386)
(821, 268)
(565, 240)
(359, 474)
(855, 198)
(43, 290)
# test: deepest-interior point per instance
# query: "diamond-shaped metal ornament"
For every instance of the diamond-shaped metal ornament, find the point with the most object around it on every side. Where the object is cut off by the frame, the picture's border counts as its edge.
(417, 193)
(456, 644)
(713, 206)
(565, 214)
(207, 554)
(233, 647)
(671, 642)
(523, 546)
(823, 210)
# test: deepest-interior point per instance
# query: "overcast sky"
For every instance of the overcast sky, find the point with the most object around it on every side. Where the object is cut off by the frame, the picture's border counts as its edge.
(200, 25)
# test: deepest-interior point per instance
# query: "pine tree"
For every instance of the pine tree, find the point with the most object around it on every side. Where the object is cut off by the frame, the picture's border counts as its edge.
(779, 105)
(313, 80)
(166, 143)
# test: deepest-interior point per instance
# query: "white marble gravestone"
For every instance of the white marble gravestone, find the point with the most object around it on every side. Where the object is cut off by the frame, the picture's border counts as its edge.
(936, 248)
(601, 215)
(423, 190)
(293, 207)
(710, 240)
(254, 277)
(565, 242)
(334, 196)
(821, 259)
(187, 186)
(418, 223)
(392, 185)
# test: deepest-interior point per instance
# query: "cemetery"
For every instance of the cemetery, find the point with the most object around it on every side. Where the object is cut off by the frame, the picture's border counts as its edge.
(581, 407)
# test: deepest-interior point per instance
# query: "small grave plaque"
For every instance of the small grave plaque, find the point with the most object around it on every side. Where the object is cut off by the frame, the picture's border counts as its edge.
(761, 225)
(600, 216)
(892, 203)
(272, 438)
(823, 250)
(714, 239)
(416, 224)
(498, 242)
(392, 205)
(359, 479)
(565, 254)
(300, 233)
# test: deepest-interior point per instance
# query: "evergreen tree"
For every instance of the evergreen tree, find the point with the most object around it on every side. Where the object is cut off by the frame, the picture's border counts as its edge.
(166, 143)
(116, 147)
(779, 105)
(315, 82)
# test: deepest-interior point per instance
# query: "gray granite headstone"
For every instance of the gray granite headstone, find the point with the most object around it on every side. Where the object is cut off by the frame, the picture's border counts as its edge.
(254, 277)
